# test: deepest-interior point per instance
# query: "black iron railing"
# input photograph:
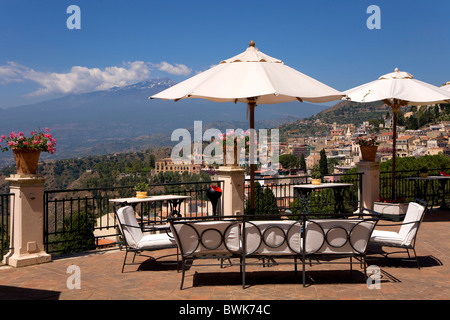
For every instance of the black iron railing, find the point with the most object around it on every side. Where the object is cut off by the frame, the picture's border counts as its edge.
(435, 192)
(275, 195)
(83, 219)
(5, 210)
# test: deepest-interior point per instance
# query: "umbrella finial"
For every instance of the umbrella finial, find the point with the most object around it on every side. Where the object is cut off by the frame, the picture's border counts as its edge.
(396, 70)
(251, 44)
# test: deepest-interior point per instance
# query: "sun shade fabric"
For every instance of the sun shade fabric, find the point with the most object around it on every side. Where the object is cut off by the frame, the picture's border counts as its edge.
(398, 85)
(446, 87)
(251, 74)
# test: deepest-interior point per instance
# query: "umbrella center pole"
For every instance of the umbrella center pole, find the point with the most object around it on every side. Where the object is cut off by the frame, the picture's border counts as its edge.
(251, 109)
(395, 108)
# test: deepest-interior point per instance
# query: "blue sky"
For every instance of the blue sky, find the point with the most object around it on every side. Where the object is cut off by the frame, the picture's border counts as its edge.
(123, 42)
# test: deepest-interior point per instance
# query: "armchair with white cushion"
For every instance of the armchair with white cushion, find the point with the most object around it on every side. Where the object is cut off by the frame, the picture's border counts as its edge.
(135, 240)
(405, 238)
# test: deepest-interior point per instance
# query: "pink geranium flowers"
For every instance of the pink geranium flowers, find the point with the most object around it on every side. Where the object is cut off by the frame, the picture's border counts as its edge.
(38, 140)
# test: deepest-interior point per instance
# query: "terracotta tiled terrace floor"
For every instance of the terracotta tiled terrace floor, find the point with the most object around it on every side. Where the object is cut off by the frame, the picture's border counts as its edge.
(101, 277)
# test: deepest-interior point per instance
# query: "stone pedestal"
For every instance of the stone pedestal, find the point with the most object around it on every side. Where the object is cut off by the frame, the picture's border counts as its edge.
(233, 189)
(27, 221)
(393, 211)
(370, 182)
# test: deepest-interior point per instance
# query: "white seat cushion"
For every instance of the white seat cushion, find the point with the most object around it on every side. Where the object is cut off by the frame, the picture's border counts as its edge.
(386, 237)
(208, 237)
(129, 226)
(275, 237)
(337, 236)
(156, 241)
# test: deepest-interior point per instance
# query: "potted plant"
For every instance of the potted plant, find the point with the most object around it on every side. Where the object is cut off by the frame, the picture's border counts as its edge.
(141, 190)
(315, 175)
(368, 147)
(27, 150)
(423, 172)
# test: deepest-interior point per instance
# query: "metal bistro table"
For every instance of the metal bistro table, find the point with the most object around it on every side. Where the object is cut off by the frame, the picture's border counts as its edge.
(421, 193)
(304, 190)
(174, 202)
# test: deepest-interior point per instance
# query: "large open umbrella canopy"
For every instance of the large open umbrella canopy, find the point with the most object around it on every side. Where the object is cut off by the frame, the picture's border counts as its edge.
(251, 77)
(398, 89)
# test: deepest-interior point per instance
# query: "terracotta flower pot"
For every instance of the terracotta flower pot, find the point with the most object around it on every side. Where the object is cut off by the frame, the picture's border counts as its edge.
(316, 181)
(26, 160)
(368, 153)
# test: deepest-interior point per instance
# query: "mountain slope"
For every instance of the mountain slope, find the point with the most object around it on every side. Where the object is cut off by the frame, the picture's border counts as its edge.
(124, 119)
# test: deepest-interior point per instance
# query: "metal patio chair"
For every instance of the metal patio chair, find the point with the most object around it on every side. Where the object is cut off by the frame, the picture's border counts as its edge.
(405, 238)
(135, 240)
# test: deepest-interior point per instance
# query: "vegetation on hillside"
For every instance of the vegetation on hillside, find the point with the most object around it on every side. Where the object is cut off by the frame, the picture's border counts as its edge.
(346, 112)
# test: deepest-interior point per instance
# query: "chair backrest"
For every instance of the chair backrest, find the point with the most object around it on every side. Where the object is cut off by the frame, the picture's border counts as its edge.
(129, 226)
(338, 236)
(411, 222)
(207, 238)
(276, 237)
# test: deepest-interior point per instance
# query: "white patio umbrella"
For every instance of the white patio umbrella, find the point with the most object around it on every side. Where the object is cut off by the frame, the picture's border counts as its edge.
(446, 86)
(251, 77)
(398, 89)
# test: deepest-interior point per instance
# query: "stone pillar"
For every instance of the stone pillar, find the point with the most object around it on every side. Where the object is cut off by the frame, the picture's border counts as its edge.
(233, 189)
(370, 182)
(27, 221)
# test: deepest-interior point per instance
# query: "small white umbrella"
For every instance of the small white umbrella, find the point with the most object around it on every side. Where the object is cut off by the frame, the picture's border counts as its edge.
(398, 89)
(251, 77)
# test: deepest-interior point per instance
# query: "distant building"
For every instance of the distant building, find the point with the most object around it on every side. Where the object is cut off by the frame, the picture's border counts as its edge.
(167, 165)
(385, 136)
(405, 144)
(311, 160)
(298, 150)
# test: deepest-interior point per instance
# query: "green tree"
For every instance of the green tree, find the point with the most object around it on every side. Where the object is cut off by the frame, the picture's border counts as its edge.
(323, 163)
(333, 162)
(289, 161)
(76, 233)
(302, 162)
(265, 201)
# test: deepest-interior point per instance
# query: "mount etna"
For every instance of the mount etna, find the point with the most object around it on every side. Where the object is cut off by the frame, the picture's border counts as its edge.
(123, 119)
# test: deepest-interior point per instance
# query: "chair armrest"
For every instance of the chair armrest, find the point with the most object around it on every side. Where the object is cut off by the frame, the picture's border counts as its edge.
(370, 211)
(156, 227)
(164, 227)
(130, 226)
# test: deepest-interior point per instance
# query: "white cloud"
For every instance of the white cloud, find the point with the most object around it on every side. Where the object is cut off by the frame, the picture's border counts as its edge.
(83, 79)
(11, 72)
(177, 69)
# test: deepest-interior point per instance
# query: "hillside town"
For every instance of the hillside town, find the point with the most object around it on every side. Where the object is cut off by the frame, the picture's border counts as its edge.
(341, 144)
